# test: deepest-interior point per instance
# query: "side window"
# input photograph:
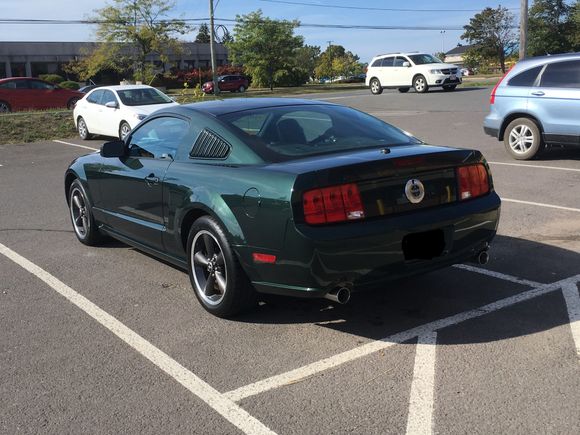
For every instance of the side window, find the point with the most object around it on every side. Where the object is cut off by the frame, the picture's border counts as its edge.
(399, 61)
(9, 85)
(95, 97)
(37, 84)
(377, 63)
(388, 62)
(158, 138)
(562, 75)
(526, 78)
(107, 97)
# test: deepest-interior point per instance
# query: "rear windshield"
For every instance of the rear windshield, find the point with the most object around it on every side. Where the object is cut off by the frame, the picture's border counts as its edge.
(143, 97)
(292, 132)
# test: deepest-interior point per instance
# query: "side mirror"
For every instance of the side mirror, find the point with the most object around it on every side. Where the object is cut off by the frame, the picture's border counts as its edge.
(116, 148)
(112, 104)
(406, 64)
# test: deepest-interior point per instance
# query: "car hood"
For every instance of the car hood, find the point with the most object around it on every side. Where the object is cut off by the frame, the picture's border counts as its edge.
(437, 66)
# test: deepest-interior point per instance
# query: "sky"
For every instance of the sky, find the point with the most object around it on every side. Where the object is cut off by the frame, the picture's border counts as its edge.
(364, 43)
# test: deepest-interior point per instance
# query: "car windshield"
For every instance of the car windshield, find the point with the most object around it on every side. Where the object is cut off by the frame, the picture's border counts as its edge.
(422, 59)
(293, 132)
(143, 97)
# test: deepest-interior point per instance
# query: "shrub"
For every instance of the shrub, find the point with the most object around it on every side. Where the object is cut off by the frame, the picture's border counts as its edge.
(52, 78)
(67, 84)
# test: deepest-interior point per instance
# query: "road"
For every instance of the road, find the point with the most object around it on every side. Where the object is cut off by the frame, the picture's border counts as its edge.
(110, 340)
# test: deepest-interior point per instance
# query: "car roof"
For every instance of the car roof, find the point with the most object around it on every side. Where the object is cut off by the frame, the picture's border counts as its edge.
(531, 62)
(124, 87)
(378, 56)
(231, 105)
(11, 79)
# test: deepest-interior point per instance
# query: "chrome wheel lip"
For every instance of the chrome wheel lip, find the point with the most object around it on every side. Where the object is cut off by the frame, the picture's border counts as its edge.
(521, 139)
(79, 213)
(208, 268)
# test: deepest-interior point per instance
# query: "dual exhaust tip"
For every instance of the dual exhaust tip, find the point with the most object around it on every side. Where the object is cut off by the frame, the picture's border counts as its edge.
(341, 295)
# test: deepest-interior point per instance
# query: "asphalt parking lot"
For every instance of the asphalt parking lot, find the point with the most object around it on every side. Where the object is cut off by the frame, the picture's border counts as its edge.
(110, 340)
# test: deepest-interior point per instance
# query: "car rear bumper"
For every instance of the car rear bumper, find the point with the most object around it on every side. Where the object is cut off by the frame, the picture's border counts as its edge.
(491, 131)
(316, 260)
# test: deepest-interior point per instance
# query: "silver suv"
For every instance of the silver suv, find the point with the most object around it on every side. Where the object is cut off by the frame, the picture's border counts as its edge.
(537, 103)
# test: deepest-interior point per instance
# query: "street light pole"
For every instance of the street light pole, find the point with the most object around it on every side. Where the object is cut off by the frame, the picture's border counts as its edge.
(523, 28)
(442, 41)
(216, 88)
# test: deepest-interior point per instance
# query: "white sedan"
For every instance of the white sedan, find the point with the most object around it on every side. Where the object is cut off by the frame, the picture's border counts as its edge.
(115, 110)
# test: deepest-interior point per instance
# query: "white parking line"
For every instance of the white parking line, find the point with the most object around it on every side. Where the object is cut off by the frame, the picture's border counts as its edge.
(314, 368)
(420, 417)
(535, 166)
(570, 292)
(75, 145)
(539, 204)
(228, 409)
(498, 275)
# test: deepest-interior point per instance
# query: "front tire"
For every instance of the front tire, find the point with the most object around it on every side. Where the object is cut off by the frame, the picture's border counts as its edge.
(5, 107)
(83, 129)
(420, 84)
(72, 102)
(376, 88)
(216, 276)
(81, 215)
(242, 89)
(124, 130)
(522, 139)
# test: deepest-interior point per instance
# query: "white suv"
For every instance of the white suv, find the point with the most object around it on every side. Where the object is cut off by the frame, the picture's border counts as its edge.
(411, 70)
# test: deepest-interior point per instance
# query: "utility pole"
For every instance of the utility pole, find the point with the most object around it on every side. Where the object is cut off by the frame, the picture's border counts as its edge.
(442, 41)
(523, 28)
(216, 88)
(330, 58)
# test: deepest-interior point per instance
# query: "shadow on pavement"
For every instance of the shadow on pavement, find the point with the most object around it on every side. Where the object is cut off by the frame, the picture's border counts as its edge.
(419, 300)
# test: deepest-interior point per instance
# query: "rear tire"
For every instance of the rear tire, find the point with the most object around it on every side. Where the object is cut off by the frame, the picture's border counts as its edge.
(522, 139)
(83, 130)
(5, 107)
(404, 90)
(216, 276)
(376, 88)
(420, 84)
(72, 102)
(242, 88)
(449, 88)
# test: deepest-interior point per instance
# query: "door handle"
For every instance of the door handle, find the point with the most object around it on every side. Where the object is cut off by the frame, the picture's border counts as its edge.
(151, 179)
(538, 93)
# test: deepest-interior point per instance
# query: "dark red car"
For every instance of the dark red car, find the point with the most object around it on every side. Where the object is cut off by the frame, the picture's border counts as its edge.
(232, 83)
(27, 93)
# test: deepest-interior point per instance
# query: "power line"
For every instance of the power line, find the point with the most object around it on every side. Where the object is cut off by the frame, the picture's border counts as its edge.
(368, 8)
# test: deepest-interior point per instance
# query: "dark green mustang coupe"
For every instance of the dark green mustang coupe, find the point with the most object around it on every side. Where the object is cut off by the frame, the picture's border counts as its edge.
(292, 197)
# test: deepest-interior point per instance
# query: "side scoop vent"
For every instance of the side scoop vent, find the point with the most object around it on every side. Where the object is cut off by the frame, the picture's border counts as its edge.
(209, 146)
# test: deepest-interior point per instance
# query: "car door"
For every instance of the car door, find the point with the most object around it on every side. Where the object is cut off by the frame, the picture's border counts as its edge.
(44, 95)
(108, 118)
(401, 74)
(386, 71)
(91, 110)
(556, 101)
(131, 186)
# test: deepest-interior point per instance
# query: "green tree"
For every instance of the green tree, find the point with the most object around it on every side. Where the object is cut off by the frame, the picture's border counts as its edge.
(473, 59)
(305, 59)
(129, 31)
(550, 27)
(336, 61)
(265, 47)
(203, 34)
(492, 31)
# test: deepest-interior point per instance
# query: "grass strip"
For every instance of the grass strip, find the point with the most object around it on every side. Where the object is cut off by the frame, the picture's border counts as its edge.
(25, 127)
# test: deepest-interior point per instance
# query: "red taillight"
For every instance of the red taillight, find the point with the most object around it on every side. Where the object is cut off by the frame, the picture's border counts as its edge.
(492, 96)
(332, 204)
(473, 181)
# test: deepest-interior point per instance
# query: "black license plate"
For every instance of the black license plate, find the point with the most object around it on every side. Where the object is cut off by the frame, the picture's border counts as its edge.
(423, 246)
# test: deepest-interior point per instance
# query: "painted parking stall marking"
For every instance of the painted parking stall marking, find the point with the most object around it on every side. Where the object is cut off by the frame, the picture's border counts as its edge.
(75, 145)
(539, 204)
(217, 401)
(572, 298)
(557, 168)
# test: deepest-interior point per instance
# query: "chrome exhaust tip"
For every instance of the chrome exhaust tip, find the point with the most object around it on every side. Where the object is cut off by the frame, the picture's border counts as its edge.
(340, 295)
(481, 258)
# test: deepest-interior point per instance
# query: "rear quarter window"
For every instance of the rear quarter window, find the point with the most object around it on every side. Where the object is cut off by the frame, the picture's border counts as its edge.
(526, 78)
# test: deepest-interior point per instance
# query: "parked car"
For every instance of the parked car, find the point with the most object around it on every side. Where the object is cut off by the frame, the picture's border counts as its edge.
(28, 93)
(411, 70)
(115, 110)
(537, 104)
(87, 88)
(275, 195)
(232, 83)
(467, 72)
